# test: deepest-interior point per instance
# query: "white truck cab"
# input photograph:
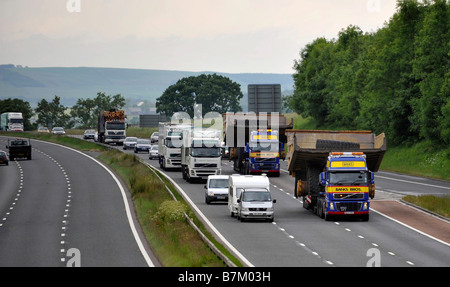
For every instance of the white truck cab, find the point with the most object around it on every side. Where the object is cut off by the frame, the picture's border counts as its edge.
(243, 208)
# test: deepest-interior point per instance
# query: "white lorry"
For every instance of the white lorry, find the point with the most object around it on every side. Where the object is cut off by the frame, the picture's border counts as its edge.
(169, 144)
(11, 122)
(201, 154)
(249, 197)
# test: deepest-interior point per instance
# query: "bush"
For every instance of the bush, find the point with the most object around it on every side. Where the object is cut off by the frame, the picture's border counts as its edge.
(170, 211)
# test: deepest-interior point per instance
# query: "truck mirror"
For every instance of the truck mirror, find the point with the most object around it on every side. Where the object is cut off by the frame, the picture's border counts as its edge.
(274, 201)
(322, 178)
(205, 186)
(372, 177)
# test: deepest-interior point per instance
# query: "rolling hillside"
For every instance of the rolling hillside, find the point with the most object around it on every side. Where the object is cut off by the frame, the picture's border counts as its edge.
(34, 84)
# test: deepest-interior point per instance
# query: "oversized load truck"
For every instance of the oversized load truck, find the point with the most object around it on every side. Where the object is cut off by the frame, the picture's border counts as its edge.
(112, 127)
(334, 170)
(256, 142)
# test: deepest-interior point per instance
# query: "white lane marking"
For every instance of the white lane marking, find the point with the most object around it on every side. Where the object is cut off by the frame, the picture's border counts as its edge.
(124, 197)
(413, 182)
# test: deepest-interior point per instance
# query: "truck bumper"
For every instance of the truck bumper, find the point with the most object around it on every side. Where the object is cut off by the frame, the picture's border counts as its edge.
(114, 140)
(204, 173)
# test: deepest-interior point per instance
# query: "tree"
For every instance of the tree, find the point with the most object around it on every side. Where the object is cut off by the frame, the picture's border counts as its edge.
(20, 106)
(53, 114)
(215, 93)
(430, 69)
(86, 111)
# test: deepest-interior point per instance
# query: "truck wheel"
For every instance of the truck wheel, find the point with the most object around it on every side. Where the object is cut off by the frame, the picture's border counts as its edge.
(183, 172)
(321, 208)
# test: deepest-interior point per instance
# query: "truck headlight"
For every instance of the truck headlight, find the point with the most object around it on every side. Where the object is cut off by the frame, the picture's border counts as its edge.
(365, 206)
(331, 205)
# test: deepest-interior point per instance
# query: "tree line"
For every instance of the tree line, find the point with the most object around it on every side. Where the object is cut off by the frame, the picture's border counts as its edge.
(395, 80)
(53, 114)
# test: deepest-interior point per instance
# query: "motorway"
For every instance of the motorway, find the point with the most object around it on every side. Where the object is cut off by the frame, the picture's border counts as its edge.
(40, 218)
(299, 238)
(62, 208)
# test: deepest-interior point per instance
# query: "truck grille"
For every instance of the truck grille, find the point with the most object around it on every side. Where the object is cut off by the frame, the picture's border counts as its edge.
(348, 206)
(205, 165)
(344, 196)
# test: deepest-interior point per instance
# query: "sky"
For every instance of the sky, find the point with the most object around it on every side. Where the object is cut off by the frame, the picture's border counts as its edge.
(227, 36)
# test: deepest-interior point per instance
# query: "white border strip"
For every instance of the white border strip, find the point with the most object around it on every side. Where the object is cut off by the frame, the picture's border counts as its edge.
(413, 182)
(124, 197)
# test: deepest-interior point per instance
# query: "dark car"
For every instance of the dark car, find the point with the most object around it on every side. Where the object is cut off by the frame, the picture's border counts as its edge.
(142, 145)
(4, 158)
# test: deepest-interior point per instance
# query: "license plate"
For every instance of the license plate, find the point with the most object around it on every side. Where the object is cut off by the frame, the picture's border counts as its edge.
(221, 197)
(257, 213)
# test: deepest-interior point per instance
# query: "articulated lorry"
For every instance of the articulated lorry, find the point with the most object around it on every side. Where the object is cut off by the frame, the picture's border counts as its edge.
(11, 122)
(256, 142)
(112, 127)
(334, 170)
(170, 140)
(201, 154)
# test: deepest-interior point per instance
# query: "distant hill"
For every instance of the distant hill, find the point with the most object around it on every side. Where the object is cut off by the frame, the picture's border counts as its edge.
(35, 84)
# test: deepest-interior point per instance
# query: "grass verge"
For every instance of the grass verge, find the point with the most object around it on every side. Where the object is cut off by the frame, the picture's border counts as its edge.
(174, 241)
(439, 205)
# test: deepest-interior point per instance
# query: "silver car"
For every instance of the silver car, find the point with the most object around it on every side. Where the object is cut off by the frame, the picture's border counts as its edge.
(130, 142)
(153, 152)
(58, 131)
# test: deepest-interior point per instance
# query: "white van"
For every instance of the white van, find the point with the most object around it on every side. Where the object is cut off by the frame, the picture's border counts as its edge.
(239, 184)
(216, 188)
(255, 203)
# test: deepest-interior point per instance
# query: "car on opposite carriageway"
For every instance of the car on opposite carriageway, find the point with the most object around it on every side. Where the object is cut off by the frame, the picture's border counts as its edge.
(4, 158)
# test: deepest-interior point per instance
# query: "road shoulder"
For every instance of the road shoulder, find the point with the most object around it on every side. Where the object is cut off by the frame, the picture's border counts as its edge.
(415, 218)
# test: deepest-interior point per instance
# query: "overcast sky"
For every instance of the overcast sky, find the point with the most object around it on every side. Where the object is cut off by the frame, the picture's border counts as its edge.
(231, 36)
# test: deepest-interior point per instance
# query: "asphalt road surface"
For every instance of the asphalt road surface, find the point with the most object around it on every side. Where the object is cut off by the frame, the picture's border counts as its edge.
(299, 238)
(64, 209)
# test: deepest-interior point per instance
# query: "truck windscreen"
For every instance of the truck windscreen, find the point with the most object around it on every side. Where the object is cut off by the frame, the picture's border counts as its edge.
(345, 178)
(205, 152)
(256, 147)
(115, 126)
(16, 121)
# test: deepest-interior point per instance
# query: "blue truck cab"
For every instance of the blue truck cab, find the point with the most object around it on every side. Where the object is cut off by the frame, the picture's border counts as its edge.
(346, 186)
(263, 150)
